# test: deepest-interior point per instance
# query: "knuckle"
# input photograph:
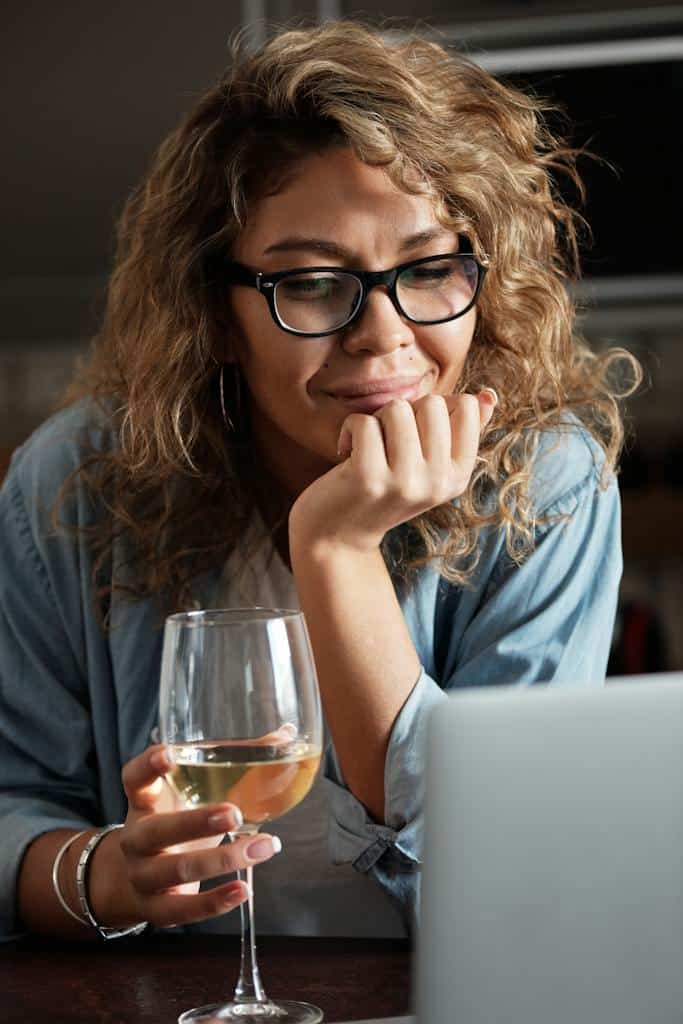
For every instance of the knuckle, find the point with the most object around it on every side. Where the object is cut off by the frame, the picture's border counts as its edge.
(460, 484)
(227, 859)
(411, 489)
(368, 426)
(372, 489)
(166, 913)
(430, 405)
(136, 878)
(126, 778)
(126, 844)
(218, 902)
(143, 885)
(442, 492)
(397, 407)
(182, 871)
(355, 421)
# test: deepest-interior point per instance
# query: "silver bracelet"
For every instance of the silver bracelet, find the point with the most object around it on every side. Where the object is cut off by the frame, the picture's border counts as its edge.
(82, 883)
(55, 876)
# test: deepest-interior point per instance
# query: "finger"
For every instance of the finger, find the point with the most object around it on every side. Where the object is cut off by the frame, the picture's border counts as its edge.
(153, 874)
(142, 776)
(362, 441)
(400, 435)
(167, 910)
(465, 432)
(159, 831)
(434, 429)
(285, 734)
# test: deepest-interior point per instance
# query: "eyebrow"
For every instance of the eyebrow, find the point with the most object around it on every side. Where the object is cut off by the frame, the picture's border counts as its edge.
(303, 243)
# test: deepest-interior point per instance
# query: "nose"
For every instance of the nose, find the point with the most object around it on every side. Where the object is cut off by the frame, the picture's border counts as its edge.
(380, 328)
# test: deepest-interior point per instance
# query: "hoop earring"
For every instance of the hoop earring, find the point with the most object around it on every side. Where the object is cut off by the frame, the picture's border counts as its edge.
(226, 419)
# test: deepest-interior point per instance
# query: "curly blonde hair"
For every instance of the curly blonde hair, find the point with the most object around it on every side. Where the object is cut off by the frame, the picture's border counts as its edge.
(181, 487)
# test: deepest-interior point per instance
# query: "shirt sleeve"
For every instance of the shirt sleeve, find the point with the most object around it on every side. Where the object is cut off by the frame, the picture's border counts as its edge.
(47, 773)
(547, 620)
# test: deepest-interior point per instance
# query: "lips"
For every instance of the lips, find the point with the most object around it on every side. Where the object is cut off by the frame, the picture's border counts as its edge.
(368, 396)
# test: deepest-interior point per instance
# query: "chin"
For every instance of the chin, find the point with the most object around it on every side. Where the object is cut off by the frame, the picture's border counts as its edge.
(323, 450)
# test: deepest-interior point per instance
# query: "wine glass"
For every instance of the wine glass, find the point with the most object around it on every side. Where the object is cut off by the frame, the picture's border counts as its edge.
(239, 709)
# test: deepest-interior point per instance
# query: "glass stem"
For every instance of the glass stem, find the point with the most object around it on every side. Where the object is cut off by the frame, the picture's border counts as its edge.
(249, 988)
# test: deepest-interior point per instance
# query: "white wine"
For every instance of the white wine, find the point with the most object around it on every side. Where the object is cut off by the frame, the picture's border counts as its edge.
(264, 781)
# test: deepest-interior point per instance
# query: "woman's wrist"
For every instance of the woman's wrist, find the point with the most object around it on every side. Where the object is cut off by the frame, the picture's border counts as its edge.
(109, 893)
(320, 544)
(68, 867)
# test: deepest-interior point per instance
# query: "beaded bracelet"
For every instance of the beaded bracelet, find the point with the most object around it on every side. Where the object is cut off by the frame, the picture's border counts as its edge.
(81, 886)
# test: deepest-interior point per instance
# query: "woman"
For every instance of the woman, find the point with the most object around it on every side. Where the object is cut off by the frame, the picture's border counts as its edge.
(410, 443)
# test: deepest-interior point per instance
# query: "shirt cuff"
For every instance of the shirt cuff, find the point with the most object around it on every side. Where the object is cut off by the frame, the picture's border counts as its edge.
(19, 830)
(353, 836)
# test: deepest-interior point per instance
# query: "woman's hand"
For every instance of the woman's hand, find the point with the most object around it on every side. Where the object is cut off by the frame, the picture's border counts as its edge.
(402, 460)
(160, 856)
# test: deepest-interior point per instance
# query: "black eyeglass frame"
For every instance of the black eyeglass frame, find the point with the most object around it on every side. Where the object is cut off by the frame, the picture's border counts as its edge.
(238, 273)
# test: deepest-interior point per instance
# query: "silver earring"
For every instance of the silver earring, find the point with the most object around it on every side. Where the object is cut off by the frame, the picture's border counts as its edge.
(226, 419)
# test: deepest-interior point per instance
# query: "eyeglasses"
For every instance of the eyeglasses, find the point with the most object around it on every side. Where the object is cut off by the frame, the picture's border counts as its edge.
(315, 301)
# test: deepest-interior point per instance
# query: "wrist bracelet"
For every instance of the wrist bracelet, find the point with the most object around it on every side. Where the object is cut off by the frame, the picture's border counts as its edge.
(55, 877)
(82, 888)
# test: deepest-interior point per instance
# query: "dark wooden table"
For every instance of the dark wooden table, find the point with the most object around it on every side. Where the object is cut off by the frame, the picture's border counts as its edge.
(150, 980)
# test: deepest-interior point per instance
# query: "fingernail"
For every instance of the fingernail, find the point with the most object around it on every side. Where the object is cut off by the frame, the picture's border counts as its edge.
(236, 890)
(226, 820)
(492, 392)
(264, 847)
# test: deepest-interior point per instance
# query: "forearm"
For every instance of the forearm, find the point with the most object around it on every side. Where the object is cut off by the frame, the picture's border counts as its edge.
(366, 662)
(39, 909)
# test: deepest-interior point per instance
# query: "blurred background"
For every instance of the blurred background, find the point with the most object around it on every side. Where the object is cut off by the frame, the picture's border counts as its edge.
(90, 89)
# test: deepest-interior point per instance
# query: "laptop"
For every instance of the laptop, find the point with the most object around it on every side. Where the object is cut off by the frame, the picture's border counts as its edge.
(553, 861)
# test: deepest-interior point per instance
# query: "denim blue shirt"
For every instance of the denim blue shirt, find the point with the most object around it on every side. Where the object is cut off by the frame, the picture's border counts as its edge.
(77, 703)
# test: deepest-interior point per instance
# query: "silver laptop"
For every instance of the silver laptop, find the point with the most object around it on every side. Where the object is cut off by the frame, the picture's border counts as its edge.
(553, 862)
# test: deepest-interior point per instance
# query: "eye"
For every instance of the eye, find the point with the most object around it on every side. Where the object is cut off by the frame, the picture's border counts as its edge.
(429, 273)
(306, 287)
(457, 271)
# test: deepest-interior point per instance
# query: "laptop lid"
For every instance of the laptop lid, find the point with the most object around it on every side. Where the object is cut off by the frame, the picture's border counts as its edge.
(553, 861)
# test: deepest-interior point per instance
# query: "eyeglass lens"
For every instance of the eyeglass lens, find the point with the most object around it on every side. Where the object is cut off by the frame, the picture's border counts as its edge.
(427, 292)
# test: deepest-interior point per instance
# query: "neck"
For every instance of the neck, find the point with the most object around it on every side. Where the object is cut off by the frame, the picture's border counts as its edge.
(288, 467)
(285, 471)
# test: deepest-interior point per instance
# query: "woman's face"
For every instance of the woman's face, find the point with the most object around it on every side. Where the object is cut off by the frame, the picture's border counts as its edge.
(337, 211)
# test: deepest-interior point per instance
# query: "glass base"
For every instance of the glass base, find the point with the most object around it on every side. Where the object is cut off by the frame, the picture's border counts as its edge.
(285, 1011)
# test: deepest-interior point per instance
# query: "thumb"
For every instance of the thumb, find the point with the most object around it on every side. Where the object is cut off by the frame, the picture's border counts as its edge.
(142, 777)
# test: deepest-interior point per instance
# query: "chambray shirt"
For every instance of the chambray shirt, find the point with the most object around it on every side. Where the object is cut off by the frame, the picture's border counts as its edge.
(76, 703)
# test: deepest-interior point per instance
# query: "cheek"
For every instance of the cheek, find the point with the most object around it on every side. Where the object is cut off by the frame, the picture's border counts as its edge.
(278, 369)
(448, 347)
(258, 340)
